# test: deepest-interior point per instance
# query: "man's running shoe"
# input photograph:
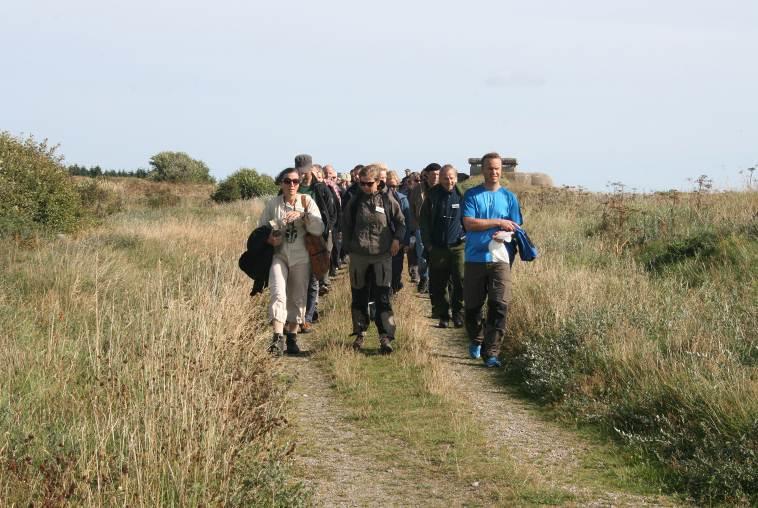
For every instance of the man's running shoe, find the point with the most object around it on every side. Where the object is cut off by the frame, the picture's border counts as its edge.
(492, 363)
(475, 350)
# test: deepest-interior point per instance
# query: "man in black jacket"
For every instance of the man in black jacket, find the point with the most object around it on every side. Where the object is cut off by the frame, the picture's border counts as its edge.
(442, 232)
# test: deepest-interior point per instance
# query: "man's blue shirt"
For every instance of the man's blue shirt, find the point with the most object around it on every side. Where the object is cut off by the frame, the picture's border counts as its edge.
(480, 203)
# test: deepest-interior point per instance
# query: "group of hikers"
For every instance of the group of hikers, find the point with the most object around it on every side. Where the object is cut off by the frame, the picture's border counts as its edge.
(459, 248)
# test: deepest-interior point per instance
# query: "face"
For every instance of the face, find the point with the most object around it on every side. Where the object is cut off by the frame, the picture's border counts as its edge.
(491, 170)
(392, 183)
(432, 178)
(448, 179)
(383, 176)
(368, 184)
(290, 183)
(331, 174)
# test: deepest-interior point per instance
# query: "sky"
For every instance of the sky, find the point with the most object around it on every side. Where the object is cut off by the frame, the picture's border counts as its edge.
(651, 94)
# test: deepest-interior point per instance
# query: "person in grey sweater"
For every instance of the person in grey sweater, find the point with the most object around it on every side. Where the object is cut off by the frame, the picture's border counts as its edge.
(373, 228)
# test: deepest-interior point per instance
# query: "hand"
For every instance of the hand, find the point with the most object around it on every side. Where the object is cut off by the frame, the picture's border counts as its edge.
(292, 216)
(274, 240)
(508, 225)
(395, 247)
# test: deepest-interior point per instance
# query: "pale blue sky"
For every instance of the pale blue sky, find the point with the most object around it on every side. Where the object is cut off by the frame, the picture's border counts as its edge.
(649, 93)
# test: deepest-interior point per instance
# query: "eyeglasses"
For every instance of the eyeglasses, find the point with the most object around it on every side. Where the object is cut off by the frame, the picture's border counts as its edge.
(291, 181)
(392, 186)
(367, 184)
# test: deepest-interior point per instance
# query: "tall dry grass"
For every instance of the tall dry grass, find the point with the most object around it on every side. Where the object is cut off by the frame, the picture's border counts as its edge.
(640, 315)
(133, 369)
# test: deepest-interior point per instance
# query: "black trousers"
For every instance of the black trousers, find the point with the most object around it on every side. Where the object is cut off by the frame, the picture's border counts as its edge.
(490, 281)
(370, 281)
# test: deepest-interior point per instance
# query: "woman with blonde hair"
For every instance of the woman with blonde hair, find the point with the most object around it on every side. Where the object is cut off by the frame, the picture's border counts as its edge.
(290, 216)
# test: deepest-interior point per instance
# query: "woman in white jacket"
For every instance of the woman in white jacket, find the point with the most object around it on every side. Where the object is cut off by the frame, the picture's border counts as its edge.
(290, 215)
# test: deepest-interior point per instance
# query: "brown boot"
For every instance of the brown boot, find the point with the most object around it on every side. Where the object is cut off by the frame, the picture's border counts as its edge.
(358, 342)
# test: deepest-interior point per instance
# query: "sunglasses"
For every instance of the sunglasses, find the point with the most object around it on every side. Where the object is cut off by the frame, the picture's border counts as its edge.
(291, 181)
(367, 184)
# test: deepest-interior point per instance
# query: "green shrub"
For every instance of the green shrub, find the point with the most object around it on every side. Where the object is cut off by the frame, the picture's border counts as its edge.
(178, 167)
(37, 195)
(244, 184)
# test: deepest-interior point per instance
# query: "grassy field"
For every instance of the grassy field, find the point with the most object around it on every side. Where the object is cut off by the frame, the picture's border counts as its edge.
(133, 367)
(640, 317)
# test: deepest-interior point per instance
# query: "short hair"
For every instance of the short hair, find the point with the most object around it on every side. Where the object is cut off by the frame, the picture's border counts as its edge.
(491, 155)
(448, 167)
(371, 171)
(391, 175)
(285, 172)
(432, 167)
(380, 165)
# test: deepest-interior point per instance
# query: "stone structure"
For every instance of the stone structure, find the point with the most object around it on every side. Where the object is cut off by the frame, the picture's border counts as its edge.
(509, 172)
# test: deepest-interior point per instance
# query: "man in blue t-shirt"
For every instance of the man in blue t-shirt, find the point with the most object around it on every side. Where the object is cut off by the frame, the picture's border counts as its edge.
(488, 209)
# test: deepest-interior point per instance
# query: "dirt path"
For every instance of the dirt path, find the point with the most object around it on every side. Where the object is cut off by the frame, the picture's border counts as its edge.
(335, 457)
(339, 462)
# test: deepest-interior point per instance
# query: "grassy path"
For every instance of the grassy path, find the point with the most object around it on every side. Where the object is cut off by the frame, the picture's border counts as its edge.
(429, 427)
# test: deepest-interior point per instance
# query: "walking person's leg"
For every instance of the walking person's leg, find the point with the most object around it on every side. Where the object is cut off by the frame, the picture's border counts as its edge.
(311, 304)
(277, 309)
(456, 280)
(297, 290)
(397, 271)
(423, 269)
(474, 293)
(438, 278)
(359, 293)
(384, 319)
(498, 299)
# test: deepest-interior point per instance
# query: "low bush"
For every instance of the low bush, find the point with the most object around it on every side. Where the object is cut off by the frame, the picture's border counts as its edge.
(244, 184)
(99, 200)
(36, 193)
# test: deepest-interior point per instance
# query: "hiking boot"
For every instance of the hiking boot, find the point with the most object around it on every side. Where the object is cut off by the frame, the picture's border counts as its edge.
(358, 342)
(292, 347)
(492, 362)
(332, 272)
(323, 289)
(457, 321)
(423, 286)
(306, 328)
(444, 323)
(474, 350)
(277, 345)
(384, 345)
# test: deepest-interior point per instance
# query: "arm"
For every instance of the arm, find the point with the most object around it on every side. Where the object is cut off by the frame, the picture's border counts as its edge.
(399, 220)
(473, 224)
(347, 224)
(425, 222)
